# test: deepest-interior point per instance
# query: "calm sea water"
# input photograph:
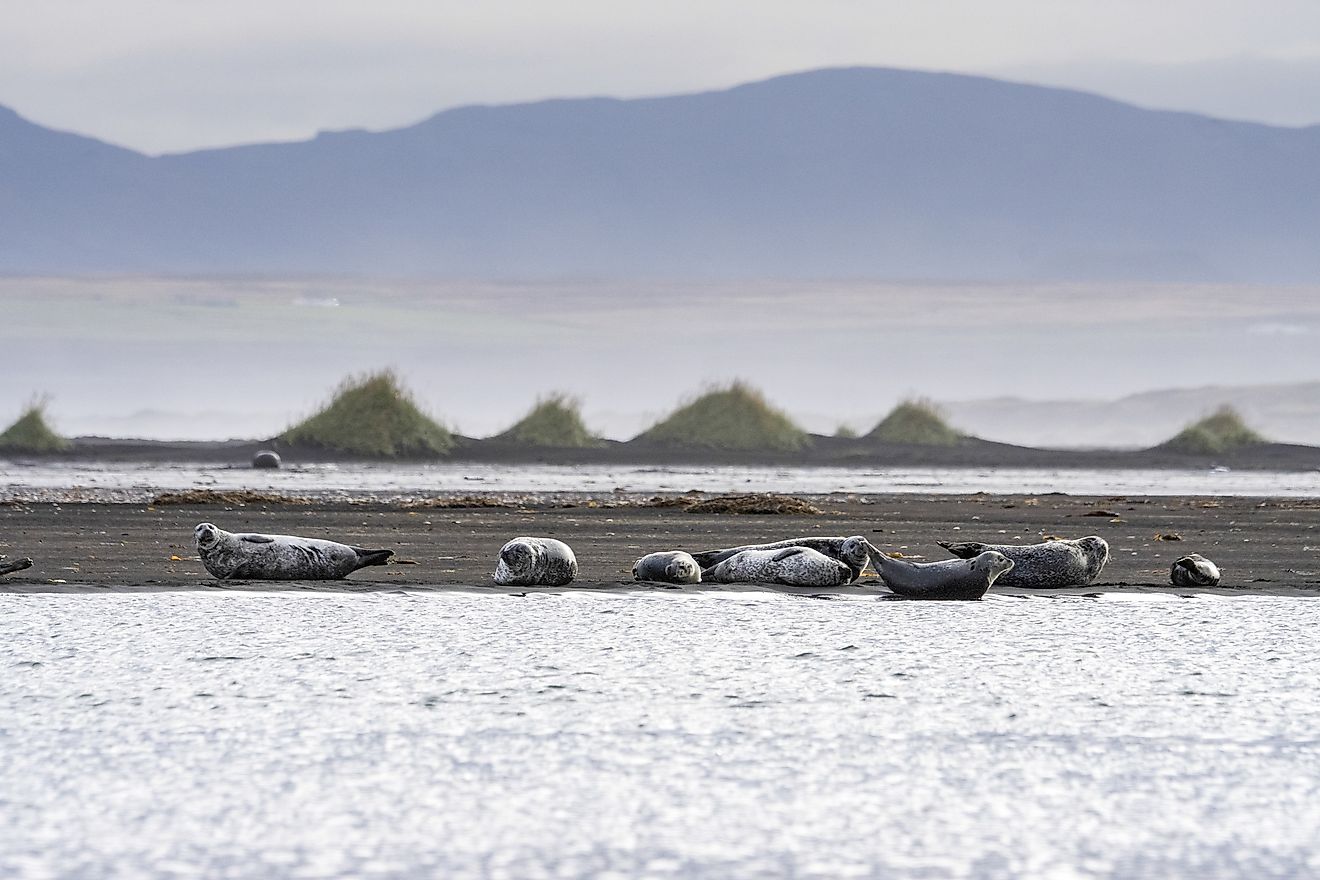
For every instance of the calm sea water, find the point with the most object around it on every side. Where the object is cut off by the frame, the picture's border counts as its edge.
(657, 734)
(139, 481)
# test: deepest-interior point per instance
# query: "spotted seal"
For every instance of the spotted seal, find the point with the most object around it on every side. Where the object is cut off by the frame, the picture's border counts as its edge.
(790, 566)
(668, 567)
(1194, 570)
(1057, 563)
(229, 555)
(535, 562)
(946, 579)
(16, 565)
(851, 551)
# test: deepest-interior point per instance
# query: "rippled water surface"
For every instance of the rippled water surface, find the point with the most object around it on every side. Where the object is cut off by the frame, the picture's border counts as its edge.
(657, 734)
(18, 477)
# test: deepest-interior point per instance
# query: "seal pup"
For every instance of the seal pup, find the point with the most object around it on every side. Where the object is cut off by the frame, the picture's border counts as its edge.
(1194, 570)
(16, 565)
(790, 566)
(535, 562)
(946, 579)
(851, 551)
(1056, 563)
(229, 555)
(669, 567)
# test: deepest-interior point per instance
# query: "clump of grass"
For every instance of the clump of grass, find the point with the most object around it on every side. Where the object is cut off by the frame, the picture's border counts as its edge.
(845, 432)
(372, 415)
(735, 418)
(1221, 431)
(31, 434)
(555, 420)
(917, 422)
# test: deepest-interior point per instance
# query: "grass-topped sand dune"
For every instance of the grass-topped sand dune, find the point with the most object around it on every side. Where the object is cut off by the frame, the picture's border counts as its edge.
(374, 416)
(918, 422)
(736, 418)
(555, 421)
(31, 434)
(1222, 431)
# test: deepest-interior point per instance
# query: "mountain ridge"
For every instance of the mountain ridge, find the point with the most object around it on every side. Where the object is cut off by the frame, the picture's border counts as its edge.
(840, 172)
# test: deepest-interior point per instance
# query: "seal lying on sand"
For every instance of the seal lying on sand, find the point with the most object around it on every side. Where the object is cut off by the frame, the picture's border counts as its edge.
(1194, 570)
(1050, 564)
(791, 566)
(535, 562)
(669, 567)
(851, 551)
(16, 565)
(947, 579)
(227, 555)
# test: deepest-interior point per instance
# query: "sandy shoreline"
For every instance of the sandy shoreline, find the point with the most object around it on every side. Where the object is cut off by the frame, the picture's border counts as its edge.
(1263, 546)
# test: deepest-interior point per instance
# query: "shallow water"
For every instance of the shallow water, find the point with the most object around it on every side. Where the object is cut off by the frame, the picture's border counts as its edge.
(130, 481)
(657, 734)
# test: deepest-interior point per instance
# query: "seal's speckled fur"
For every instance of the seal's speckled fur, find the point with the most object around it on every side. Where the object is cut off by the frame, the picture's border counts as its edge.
(851, 551)
(535, 562)
(1049, 564)
(246, 556)
(791, 566)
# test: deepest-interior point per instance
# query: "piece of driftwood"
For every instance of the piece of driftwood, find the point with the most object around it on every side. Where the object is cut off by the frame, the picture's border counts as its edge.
(16, 565)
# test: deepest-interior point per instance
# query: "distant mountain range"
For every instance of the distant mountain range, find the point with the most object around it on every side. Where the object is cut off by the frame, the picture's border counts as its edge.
(832, 173)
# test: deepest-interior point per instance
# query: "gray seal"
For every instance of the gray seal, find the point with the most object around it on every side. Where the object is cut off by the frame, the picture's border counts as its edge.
(16, 565)
(790, 566)
(1049, 564)
(229, 555)
(1194, 570)
(668, 567)
(946, 579)
(535, 562)
(851, 551)
(266, 460)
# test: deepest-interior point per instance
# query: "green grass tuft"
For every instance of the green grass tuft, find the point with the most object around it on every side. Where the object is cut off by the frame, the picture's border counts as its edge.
(736, 418)
(31, 434)
(555, 420)
(1221, 431)
(917, 422)
(372, 415)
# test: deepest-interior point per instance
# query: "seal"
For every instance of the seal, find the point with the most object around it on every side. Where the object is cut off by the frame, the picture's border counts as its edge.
(1056, 563)
(790, 566)
(16, 565)
(850, 551)
(946, 579)
(229, 555)
(1194, 570)
(668, 567)
(266, 460)
(535, 562)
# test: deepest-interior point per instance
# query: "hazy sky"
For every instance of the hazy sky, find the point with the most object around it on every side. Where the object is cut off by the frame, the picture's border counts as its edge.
(162, 75)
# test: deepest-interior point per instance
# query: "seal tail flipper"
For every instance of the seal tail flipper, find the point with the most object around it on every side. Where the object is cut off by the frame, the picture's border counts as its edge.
(964, 549)
(16, 565)
(372, 557)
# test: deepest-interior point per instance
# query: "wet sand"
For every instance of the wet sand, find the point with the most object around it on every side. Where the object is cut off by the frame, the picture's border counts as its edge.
(1263, 546)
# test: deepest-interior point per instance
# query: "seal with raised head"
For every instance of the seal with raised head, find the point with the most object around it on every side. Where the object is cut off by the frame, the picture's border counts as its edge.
(535, 562)
(1194, 570)
(1056, 563)
(16, 565)
(946, 579)
(668, 567)
(247, 556)
(851, 551)
(790, 566)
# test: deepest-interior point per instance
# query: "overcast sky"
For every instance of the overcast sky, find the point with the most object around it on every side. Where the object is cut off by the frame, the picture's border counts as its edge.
(168, 75)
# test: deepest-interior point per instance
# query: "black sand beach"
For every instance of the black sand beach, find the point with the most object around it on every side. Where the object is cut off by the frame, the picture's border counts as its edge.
(1263, 546)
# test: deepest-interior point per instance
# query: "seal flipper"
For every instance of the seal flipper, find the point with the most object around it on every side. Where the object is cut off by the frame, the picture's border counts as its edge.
(786, 553)
(372, 557)
(257, 539)
(964, 549)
